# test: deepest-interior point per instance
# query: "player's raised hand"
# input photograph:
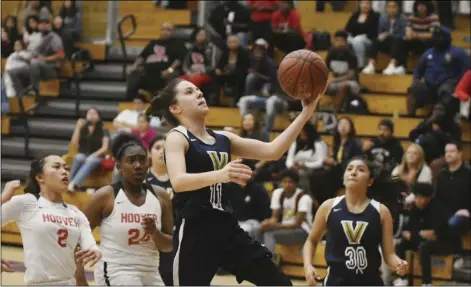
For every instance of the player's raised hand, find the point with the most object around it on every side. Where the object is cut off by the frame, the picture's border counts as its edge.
(6, 266)
(9, 190)
(91, 256)
(402, 268)
(310, 107)
(311, 275)
(237, 172)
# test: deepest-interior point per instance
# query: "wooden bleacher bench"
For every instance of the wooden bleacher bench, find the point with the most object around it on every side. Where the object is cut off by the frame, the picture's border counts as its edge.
(388, 84)
(292, 260)
(5, 125)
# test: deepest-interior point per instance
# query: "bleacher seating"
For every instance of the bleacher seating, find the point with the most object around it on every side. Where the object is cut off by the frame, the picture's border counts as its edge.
(5, 125)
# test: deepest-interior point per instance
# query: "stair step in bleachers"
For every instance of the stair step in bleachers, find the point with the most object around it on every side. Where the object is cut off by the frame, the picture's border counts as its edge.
(5, 125)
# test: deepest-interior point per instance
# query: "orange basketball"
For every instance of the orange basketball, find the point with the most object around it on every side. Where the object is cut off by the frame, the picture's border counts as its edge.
(302, 72)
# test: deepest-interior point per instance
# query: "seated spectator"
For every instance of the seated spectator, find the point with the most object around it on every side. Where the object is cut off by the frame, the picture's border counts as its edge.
(144, 132)
(128, 120)
(250, 128)
(72, 19)
(433, 133)
(9, 35)
(199, 64)
(251, 206)
(391, 32)
(362, 29)
(92, 140)
(45, 62)
(453, 187)
(463, 92)
(31, 34)
(307, 154)
(291, 217)
(18, 59)
(426, 232)
(419, 28)
(413, 168)
(440, 67)
(263, 78)
(288, 35)
(262, 12)
(229, 17)
(36, 8)
(159, 61)
(58, 28)
(342, 62)
(231, 69)
(386, 149)
(325, 184)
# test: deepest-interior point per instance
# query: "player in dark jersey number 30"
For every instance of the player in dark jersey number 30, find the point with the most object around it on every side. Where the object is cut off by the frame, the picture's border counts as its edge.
(207, 235)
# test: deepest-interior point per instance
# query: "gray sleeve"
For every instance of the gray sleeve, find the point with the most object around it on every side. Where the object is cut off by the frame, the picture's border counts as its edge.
(56, 43)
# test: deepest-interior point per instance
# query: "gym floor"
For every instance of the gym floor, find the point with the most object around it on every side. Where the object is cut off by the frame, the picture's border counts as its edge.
(16, 257)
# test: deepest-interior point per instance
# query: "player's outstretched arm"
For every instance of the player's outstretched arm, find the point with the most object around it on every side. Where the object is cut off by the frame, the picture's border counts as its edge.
(175, 146)
(318, 230)
(254, 149)
(394, 262)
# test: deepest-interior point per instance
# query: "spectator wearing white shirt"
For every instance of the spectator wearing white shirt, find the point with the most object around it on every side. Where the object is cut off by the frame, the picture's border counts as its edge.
(291, 214)
(18, 59)
(307, 154)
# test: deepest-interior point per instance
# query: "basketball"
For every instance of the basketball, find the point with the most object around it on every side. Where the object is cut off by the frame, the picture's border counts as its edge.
(303, 72)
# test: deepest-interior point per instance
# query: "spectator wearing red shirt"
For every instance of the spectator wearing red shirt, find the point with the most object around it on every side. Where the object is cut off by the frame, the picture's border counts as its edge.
(262, 12)
(286, 24)
(463, 92)
(143, 131)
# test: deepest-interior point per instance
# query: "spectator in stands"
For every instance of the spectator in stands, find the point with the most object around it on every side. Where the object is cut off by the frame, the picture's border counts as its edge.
(232, 69)
(426, 231)
(92, 140)
(72, 19)
(441, 67)
(391, 32)
(342, 62)
(263, 77)
(46, 61)
(144, 131)
(419, 28)
(128, 120)
(413, 167)
(362, 29)
(21, 58)
(463, 92)
(250, 128)
(291, 214)
(31, 34)
(433, 133)
(159, 61)
(9, 35)
(35, 7)
(262, 12)
(386, 150)
(286, 24)
(453, 187)
(58, 28)
(229, 17)
(251, 206)
(199, 64)
(5, 104)
(307, 154)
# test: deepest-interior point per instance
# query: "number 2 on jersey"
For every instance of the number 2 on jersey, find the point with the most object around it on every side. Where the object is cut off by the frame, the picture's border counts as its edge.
(134, 235)
(62, 239)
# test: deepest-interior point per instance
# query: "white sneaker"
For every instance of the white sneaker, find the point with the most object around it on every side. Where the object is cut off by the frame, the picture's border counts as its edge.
(400, 282)
(459, 263)
(389, 70)
(399, 70)
(369, 69)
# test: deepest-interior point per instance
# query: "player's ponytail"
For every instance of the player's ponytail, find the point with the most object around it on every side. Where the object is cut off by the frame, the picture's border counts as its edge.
(159, 106)
(32, 185)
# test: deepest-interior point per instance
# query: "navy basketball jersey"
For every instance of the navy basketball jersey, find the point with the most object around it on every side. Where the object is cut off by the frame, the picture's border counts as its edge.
(353, 241)
(201, 157)
(151, 179)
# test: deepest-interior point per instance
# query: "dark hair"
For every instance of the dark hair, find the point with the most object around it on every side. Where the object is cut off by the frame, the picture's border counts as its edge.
(195, 32)
(386, 189)
(99, 129)
(428, 4)
(459, 146)
(291, 173)
(68, 12)
(27, 27)
(351, 135)
(13, 33)
(312, 136)
(144, 116)
(422, 189)
(163, 100)
(341, 33)
(36, 167)
(123, 141)
(256, 127)
(141, 97)
(154, 140)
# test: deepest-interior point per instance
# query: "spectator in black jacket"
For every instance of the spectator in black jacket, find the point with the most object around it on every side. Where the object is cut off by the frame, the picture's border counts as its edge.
(427, 231)
(385, 149)
(453, 188)
(232, 68)
(362, 28)
(72, 19)
(230, 17)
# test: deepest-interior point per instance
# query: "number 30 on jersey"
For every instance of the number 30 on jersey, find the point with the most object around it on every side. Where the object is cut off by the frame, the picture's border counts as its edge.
(357, 259)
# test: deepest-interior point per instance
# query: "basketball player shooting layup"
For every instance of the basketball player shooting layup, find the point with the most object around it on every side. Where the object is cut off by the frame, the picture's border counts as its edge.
(199, 164)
